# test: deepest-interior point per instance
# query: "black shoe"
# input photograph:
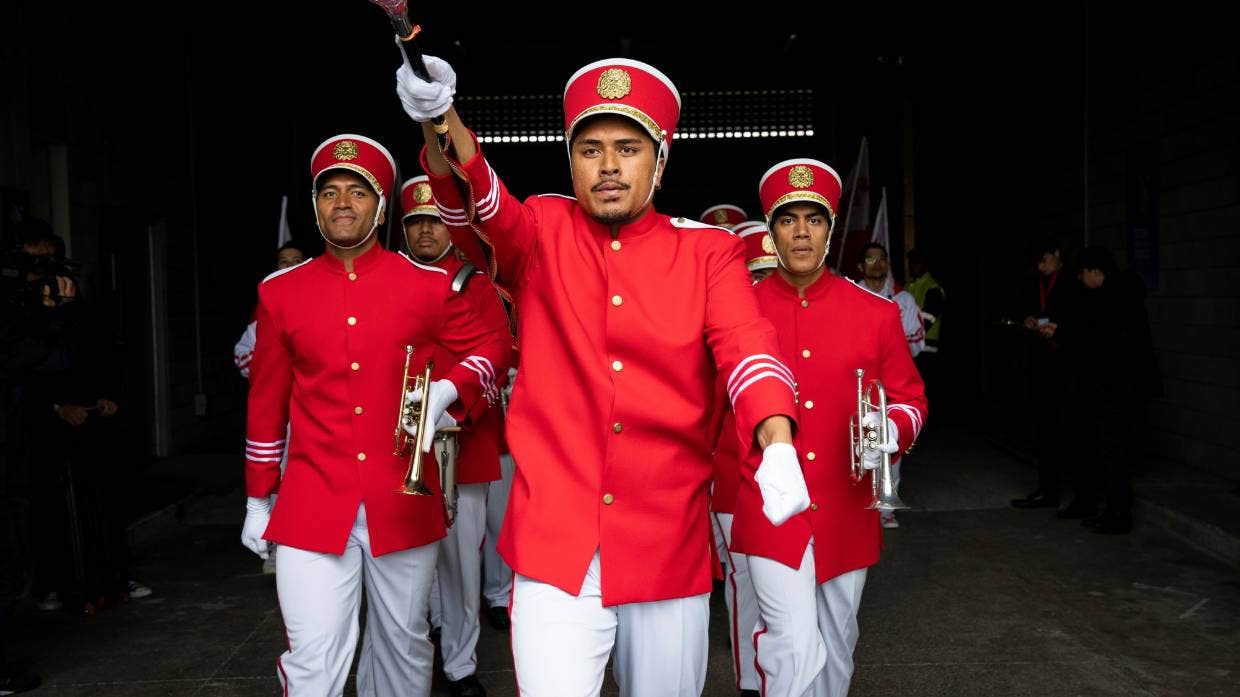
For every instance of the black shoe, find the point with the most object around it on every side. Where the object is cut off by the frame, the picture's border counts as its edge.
(750, 693)
(12, 683)
(1078, 511)
(1092, 522)
(1037, 499)
(498, 618)
(467, 686)
(1114, 524)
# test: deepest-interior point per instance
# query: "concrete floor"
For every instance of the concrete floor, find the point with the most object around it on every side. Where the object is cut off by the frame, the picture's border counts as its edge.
(971, 598)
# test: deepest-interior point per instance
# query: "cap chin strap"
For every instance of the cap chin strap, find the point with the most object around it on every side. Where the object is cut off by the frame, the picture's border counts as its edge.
(438, 258)
(374, 226)
(780, 258)
(654, 178)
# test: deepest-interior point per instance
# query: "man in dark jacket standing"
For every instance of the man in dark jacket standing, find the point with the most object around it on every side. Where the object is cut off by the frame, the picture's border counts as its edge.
(1108, 345)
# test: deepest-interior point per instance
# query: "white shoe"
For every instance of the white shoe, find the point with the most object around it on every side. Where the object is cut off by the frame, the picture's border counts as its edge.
(50, 602)
(138, 590)
(888, 519)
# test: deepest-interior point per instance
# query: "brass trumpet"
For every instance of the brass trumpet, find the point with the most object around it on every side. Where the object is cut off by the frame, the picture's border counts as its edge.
(444, 444)
(409, 415)
(863, 437)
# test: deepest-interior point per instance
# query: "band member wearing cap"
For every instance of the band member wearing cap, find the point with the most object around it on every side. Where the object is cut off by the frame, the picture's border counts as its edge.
(459, 570)
(624, 320)
(739, 594)
(724, 215)
(328, 362)
(810, 571)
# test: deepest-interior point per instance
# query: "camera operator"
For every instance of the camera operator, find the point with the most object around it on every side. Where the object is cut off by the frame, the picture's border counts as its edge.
(35, 308)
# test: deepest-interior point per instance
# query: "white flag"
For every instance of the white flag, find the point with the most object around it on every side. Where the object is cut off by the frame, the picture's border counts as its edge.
(880, 234)
(283, 234)
(855, 216)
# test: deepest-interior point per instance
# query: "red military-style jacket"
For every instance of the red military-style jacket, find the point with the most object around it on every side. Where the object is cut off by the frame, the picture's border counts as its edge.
(835, 329)
(726, 459)
(621, 340)
(328, 363)
(477, 458)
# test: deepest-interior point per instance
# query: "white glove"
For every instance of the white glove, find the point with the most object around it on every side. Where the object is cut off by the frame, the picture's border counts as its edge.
(424, 100)
(781, 483)
(872, 458)
(443, 394)
(257, 515)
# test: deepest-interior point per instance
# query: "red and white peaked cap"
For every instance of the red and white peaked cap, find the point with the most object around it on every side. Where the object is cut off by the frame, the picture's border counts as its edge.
(724, 215)
(759, 248)
(357, 154)
(416, 198)
(626, 88)
(800, 180)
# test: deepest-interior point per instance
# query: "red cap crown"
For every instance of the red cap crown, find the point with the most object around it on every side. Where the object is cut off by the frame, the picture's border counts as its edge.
(805, 180)
(759, 247)
(416, 198)
(357, 154)
(724, 215)
(626, 87)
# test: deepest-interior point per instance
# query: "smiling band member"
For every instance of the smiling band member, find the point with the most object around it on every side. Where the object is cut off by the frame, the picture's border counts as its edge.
(332, 337)
(624, 319)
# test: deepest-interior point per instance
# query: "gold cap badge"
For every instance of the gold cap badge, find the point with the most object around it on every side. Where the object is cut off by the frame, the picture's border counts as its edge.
(345, 150)
(422, 192)
(767, 245)
(614, 83)
(721, 216)
(801, 177)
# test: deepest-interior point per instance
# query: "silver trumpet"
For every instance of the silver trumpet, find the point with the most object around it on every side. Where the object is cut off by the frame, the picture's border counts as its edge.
(445, 449)
(863, 438)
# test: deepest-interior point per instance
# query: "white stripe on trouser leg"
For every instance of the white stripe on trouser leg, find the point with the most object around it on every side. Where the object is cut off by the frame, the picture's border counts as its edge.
(838, 602)
(742, 605)
(790, 651)
(497, 582)
(561, 642)
(460, 582)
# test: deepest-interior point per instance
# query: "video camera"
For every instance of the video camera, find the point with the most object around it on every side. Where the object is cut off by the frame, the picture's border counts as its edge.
(26, 279)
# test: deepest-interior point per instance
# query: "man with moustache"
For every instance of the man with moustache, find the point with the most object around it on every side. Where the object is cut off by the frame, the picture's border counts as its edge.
(332, 337)
(624, 318)
(459, 570)
(810, 571)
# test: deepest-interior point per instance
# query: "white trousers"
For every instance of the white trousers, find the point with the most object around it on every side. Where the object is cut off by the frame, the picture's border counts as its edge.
(808, 631)
(742, 604)
(458, 583)
(561, 642)
(497, 579)
(320, 595)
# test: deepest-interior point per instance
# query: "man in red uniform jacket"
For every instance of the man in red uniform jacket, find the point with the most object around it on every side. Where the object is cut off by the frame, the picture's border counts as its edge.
(459, 571)
(810, 571)
(328, 361)
(625, 317)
